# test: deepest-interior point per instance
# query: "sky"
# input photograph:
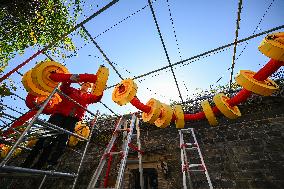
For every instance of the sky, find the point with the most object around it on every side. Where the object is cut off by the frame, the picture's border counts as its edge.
(135, 48)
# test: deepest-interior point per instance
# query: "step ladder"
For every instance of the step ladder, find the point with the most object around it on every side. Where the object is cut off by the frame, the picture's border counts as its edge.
(139, 154)
(189, 169)
(123, 126)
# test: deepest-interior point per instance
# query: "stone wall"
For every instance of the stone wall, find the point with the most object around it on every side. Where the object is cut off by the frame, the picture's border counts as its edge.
(243, 153)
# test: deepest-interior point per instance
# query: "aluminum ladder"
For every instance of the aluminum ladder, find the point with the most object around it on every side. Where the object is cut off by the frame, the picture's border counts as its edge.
(187, 168)
(127, 136)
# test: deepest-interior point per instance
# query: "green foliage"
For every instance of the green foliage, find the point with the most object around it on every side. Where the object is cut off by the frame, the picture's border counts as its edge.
(5, 88)
(36, 23)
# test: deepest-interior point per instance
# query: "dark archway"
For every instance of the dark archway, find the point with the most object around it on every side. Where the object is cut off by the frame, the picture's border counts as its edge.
(150, 179)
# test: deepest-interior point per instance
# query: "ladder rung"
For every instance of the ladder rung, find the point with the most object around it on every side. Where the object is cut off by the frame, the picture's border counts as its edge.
(186, 130)
(192, 148)
(115, 153)
(195, 165)
(196, 170)
(122, 129)
(190, 144)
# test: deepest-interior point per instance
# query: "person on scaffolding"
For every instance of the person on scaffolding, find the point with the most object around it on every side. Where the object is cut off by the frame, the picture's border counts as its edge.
(66, 115)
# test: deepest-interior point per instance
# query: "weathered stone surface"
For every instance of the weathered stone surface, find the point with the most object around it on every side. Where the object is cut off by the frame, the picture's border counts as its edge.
(243, 153)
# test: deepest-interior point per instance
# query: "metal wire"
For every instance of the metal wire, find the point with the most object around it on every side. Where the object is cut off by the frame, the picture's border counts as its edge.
(113, 26)
(11, 108)
(177, 44)
(48, 56)
(104, 55)
(207, 52)
(19, 73)
(14, 94)
(164, 47)
(108, 108)
(246, 43)
(236, 39)
(173, 26)
(153, 92)
(116, 24)
(208, 96)
(256, 27)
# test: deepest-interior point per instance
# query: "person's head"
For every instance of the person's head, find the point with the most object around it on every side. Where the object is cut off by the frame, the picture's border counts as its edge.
(85, 86)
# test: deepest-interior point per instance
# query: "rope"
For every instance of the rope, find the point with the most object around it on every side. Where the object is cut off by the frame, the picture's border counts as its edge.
(164, 47)
(236, 39)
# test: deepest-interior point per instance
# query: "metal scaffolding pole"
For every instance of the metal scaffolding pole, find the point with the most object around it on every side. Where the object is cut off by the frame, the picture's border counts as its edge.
(139, 154)
(50, 125)
(35, 119)
(9, 155)
(35, 171)
(85, 150)
(83, 155)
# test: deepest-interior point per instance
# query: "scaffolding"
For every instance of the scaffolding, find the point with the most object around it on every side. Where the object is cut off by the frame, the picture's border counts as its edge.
(4, 168)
